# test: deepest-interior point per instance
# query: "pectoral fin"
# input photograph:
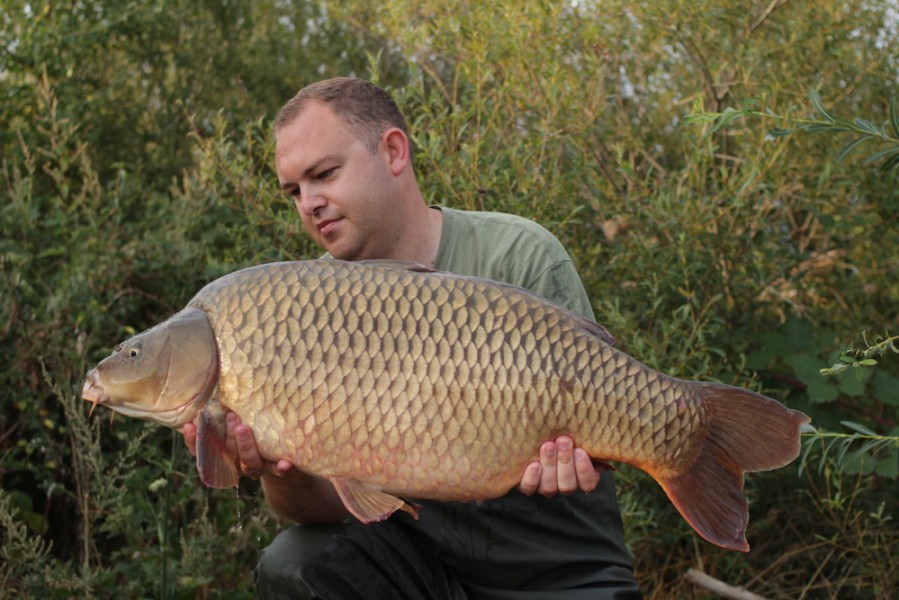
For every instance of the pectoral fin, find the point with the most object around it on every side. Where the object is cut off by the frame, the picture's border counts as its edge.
(217, 468)
(367, 503)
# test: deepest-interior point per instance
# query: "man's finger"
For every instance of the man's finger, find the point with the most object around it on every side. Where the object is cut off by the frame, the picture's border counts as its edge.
(250, 461)
(282, 467)
(231, 423)
(566, 476)
(587, 474)
(530, 481)
(549, 485)
(190, 437)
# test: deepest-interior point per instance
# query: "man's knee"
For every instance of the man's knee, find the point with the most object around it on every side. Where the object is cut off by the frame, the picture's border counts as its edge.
(380, 560)
(281, 565)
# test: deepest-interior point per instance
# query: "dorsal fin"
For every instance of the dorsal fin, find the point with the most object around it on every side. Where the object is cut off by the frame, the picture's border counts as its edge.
(404, 265)
(598, 330)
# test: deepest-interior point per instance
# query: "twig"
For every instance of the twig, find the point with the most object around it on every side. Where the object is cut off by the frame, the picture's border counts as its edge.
(775, 4)
(719, 587)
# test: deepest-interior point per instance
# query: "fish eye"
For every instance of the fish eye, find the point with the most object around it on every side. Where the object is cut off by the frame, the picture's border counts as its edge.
(134, 351)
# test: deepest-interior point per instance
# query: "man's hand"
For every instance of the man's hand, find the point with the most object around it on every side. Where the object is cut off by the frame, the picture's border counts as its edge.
(240, 442)
(291, 493)
(562, 468)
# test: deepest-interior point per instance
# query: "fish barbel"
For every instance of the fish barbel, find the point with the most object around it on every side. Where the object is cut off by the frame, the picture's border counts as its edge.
(394, 381)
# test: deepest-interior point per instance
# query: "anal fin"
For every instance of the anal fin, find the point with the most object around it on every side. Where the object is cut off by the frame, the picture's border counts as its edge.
(367, 503)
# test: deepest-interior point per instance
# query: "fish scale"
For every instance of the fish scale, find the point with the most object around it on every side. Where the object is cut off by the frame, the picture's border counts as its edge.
(394, 381)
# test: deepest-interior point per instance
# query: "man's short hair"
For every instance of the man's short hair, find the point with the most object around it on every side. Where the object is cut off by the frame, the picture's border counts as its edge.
(368, 110)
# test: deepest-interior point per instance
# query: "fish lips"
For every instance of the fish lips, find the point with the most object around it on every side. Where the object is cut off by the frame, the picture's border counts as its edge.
(93, 391)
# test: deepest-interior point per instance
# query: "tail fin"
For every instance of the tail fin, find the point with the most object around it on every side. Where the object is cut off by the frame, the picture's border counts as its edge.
(746, 432)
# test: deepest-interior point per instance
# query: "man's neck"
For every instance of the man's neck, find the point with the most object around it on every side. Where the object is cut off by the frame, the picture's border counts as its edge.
(423, 236)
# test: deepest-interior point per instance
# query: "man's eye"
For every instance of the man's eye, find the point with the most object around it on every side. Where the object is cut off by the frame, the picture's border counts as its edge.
(326, 173)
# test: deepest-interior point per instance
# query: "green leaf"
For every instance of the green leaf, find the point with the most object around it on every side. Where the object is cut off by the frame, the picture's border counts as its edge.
(819, 106)
(806, 367)
(866, 125)
(799, 332)
(701, 117)
(858, 428)
(894, 114)
(882, 153)
(725, 119)
(759, 359)
(777, 132)
(851, 146)
(856, 463)
(888, 467)
(886, 388)
(821, 392)
(891, 163)
(854, 386)
(803, 461)
(824, 127)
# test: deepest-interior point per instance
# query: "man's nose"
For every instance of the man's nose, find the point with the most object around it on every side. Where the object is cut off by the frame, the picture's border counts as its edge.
(309, 201)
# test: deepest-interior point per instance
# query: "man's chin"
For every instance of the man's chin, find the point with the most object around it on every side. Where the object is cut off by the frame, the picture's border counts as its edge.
(340, 251)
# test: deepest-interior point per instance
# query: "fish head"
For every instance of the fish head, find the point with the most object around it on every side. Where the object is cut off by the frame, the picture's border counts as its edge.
(164, 374)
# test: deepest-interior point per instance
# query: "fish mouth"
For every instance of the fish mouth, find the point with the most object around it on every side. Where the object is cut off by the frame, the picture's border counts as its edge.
(93, 391)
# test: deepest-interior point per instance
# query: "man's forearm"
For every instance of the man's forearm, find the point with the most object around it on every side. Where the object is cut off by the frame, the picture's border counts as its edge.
(303, 498)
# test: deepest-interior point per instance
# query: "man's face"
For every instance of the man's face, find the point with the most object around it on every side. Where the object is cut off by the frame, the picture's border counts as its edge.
(342, 192)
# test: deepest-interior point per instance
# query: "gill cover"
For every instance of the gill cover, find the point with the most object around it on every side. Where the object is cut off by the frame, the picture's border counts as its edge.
(163, 374)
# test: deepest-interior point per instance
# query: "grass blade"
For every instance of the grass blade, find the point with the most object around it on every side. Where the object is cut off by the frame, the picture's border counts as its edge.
(894, 114)
(819, 106)
(851, 146)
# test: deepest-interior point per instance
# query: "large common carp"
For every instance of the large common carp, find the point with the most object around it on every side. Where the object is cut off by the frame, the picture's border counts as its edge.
(393, 381)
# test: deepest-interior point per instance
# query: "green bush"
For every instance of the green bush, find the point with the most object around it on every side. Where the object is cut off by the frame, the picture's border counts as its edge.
(137, 165)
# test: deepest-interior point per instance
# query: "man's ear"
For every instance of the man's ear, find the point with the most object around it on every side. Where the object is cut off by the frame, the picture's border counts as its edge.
(398, 150)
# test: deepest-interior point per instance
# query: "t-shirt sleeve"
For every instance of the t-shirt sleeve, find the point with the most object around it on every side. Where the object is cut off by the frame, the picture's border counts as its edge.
(561, 284)
(514, 250)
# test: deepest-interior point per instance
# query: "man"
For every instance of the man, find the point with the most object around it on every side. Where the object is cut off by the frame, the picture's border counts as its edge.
(343, 153)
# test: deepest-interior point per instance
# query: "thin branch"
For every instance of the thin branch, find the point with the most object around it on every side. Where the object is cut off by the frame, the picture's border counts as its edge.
(769, 10)
(718, 587)
(708, 80)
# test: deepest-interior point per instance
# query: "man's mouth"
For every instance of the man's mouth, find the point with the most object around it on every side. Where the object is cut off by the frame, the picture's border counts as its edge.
(326, 227)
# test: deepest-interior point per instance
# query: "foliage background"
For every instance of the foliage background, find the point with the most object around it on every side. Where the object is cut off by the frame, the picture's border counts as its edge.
(136, 166)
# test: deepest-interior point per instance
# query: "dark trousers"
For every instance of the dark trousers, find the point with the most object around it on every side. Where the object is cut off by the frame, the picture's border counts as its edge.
(392, 560)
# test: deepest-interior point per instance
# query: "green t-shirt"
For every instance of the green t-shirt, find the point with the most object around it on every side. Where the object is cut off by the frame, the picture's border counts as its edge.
(514, 250)
(575, 540)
